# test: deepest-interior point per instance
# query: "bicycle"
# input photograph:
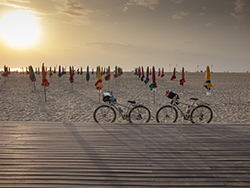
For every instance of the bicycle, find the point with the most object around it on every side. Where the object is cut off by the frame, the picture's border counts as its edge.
(136, 113)
(196, 113)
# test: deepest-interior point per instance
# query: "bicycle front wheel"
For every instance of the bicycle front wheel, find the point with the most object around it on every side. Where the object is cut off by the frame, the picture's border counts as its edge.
(139, 114)
(201, 114)
(166, 114)
(105, 114)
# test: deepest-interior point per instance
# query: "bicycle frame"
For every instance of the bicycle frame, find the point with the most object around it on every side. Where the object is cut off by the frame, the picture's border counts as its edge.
(186, 115)
(116, 104)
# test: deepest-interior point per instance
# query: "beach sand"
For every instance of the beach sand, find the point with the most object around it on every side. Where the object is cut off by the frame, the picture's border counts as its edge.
(229, 100)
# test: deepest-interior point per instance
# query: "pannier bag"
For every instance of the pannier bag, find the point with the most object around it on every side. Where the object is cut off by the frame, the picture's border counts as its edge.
(171, 94)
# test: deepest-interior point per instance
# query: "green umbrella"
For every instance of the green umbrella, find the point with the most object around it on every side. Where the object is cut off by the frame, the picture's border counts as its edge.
(87, 74)
(32, 75)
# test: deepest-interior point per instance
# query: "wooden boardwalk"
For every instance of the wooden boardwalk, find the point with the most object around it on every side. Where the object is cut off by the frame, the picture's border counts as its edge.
(123, 155)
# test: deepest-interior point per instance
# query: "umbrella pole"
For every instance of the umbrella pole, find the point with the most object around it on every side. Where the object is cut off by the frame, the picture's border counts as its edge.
(45, 94)
(34, 86)
(71, 86)
(99, 95)
(154, 94)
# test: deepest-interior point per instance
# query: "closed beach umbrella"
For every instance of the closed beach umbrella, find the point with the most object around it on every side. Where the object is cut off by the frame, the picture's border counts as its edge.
(135, 71)
(207, 84)
(98, 83)
(139, 72)
(173, 76)
(107, 78)
(182, 80)
(116, 72)
(162, 73)
(59, 71)
(120, 71)
(147, 76)
(45, 82)
(159, 72)
(32, 75)
(71, 74)
(81, 71)
(5, 73)
(87, 74)
(50, 72)
(142, 74)
(153, 84)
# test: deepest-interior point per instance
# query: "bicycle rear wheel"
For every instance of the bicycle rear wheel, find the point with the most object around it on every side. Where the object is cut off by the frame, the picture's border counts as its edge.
(201, 114)
(166, 114)
(105, 114)
(139, 114)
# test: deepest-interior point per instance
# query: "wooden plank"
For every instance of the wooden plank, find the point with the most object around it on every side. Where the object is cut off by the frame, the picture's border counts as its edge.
(39, 154)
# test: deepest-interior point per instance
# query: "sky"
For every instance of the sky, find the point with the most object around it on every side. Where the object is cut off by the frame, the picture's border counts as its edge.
(132, 33)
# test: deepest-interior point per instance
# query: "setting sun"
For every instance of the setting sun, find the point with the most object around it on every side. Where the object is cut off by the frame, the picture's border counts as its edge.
(18, 29)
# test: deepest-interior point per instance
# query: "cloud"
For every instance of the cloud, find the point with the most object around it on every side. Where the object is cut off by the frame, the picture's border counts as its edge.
(14, 4)
(182, 42)
(77, 21)
(109, 45)
(240, 8)
(17, 5)
(180, 15)
(212, 24)
(72, 8)
(201, 14)
(178, 1)
(239, 5)
(146, 3)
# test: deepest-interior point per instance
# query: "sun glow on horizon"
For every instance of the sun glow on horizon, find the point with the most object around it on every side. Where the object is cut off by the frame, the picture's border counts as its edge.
(19, 29)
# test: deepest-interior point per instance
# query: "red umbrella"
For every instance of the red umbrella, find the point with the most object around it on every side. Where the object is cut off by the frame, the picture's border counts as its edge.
(147, 76)
(107, 78)
(162, 74)
(182, 80)
(153, 84)
(173, 76)
(5, 73)
(142, 74)
(45, 82)
(71, 79)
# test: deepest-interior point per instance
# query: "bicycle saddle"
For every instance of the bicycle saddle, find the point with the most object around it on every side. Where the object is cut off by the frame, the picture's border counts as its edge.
(195, 99)
(132, 102)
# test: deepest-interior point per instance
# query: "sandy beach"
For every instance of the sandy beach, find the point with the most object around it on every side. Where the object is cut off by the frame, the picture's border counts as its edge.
(229, 100)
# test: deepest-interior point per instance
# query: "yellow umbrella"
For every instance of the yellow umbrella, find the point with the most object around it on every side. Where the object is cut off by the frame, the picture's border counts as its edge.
(99, 84)
(207, 84)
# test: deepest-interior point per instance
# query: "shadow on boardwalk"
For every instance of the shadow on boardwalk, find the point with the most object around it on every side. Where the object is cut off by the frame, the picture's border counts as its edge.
(39, 154)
